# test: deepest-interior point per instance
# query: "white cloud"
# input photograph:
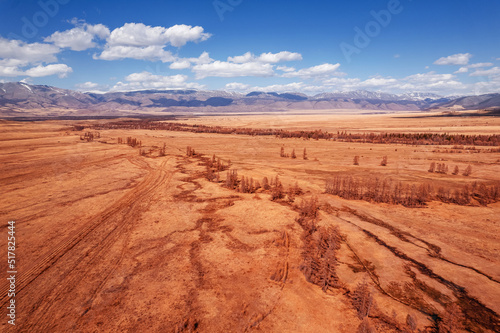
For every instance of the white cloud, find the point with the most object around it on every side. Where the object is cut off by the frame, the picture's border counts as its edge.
(486, 72)
(79, 38)
(87, 85)
(61, 70)
(16, 55)
(140, 41)
(480, 64)
(229, 69)
(237, 86)
(286, 69)
(461, 70)
(152, 53)
(378, 82)
(180, 64)
(315, 72)
(147, 80)
(10, 71)
(455, 59)
(269, 57)
(139, 34)
(183, 63)
(24, 53)
(290, 87)
(278, 57)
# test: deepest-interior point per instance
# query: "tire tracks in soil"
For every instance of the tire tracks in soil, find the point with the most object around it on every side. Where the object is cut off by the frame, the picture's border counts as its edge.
(74, 257)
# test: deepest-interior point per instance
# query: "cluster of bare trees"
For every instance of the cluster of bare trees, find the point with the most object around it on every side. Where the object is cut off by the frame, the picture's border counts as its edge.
(190, 151)
(362, 301)
(376, 190)
(320, 248)
(90, 136)
(133, 142)
(443, 168)
(249, 185)
(383, 138)
(293, 155)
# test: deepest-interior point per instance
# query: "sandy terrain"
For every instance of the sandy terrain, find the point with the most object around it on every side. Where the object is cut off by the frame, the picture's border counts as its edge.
(108, 240)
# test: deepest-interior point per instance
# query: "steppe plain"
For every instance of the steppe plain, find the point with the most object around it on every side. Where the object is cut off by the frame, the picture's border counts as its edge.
(111, 240)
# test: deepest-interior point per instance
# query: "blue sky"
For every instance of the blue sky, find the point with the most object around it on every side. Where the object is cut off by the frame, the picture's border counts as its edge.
(399, 46)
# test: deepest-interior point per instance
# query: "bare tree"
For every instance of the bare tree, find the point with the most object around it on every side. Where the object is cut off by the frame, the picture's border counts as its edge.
(467, 171)
(362, 300)
(293, 154)
(432, 167)
(304, 154)
(282, 151)
(456, 170)
(356, 160)
(265, 184)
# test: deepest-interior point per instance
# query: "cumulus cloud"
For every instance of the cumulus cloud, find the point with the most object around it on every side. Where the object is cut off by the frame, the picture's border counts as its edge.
(244, 88)
(140, 41)
(480, 65)
(87, 85)
(139, 34)
(152, 53)
(18, 58)
(486, 72)
(455, 59)
(315, 71)
(183, 63)
(236, 86)
(147, 80)
(230, 69)
(24, 53)
(286, 69)
(79, 38)
(269, 57)
(60, 70)
(461, 70)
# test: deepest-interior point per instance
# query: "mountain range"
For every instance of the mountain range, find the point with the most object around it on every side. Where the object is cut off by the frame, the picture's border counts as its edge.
(18, 99)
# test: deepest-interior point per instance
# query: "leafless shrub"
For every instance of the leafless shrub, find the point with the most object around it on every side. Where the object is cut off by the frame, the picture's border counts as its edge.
(190, 151)
(356, 160)
(304, 154)
(384, 161)
(456, 170)
(293, 154)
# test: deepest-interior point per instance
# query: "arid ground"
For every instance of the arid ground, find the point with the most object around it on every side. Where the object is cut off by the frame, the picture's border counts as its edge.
(112, 240)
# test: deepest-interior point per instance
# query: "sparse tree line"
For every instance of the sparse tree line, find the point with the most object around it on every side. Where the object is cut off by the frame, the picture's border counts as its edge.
(381, 138)
(244, 184)
(292, 155)
(443, 168)
(410, 195)
(90, 136)
(466, 150)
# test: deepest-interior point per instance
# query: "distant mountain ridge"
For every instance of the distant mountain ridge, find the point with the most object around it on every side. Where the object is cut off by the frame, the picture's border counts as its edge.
(19, 97)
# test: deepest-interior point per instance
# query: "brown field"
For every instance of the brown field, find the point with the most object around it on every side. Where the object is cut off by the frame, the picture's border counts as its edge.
(109, 240)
